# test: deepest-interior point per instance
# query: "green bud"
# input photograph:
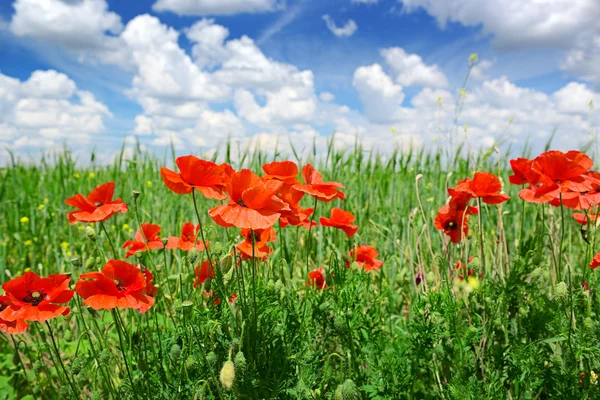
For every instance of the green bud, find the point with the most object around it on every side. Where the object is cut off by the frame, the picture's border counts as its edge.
(175, 352)
(207, 284)
(226, 263)
(90, 233)
(142, 365)
(430, 277)
(104, 356)
(589, 323)
(68, 336)
(90, 263)
(240, 361)
(136, 194)
(562, 291)
(211, 358)
(77, 366)
(347, 391)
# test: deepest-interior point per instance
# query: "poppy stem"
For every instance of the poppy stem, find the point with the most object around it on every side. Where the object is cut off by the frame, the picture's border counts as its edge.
(73, 387)
(118, 326)
(21, 362)
(112, 246)
(312, 218)
(212, 265)
(481, 247)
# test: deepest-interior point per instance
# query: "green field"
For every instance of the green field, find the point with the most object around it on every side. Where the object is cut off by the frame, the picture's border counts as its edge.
(521, 327)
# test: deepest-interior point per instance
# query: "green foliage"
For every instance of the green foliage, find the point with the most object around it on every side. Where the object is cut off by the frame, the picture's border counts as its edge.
(514, 330)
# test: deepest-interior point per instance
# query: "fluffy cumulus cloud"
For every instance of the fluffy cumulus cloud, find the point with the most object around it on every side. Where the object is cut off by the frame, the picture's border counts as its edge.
(410, 70)
(218, 7)
(570, 25)
(46, 110)
(86, 27)
(340, 31)
(494, 111)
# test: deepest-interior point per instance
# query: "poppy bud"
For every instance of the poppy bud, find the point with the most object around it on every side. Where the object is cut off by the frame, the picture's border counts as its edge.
(240, 361)
(207, 284)
(227, 375)
(104, 356)
(90, 233)
(226, 263)
(142, 365)
(89, 264)
(68, 336)
(175, 352)
(588, 323)
(347, 391)
(211, 358)
(77, 366)
(561, 292)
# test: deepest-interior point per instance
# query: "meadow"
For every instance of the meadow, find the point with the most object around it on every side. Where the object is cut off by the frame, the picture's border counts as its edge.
(506, 312)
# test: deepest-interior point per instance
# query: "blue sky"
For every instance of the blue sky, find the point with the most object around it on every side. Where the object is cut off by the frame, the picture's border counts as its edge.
(260, 69)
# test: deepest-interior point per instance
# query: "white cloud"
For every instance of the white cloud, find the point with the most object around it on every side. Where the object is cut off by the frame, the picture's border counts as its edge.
(518, 23)
(85, 27)
(381, 97)
(410, 69)
(48, 108)
(481, 69)
(575, 98)
(345, 31)
(326, 96)
(218, 7)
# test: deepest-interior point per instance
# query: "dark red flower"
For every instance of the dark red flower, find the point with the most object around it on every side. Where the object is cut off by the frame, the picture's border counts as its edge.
(12, 327)
(261, 239)
(119, 284)
(316, 279)
(365, 256)
(98, 206)
(342, 220)
(202, 273)
(32, 298)
(145, 239)
(205, 176)
(187, 241)
(324, 191)
(253, 204)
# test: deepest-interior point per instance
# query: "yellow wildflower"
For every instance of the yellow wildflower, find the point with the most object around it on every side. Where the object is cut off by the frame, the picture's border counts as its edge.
(92, 175)
(64, 245)
(76, 175)
(28, 243)
(149, 183)
(41, 207)
(24, 220)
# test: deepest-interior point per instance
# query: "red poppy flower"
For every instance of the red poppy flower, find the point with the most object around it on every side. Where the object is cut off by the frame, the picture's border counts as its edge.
(324, 191)
(261, 238)
(32, 298)
(523, 172)
(119, 284)
(316, 279)
(187, 241)
(296, 215)
(341, 219)
(453, 216)
(364, 255)
(483, 185)
(584, 218)
(148, 240)
(460, 264)
(559, 172)
(203, 272)
(12, 327)
(575, 199)
(594, 264)
(205, 176)
(150, 289)
(285, 171)
(253, 204)
(215, 297)
(98, 206)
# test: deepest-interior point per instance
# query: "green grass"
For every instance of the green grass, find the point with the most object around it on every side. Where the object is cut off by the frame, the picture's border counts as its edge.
(373, 335)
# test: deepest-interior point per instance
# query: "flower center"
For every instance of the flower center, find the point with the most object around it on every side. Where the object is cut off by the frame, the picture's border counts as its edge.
(241, 203)
(120, 286)
(34, 298)
(98, 203)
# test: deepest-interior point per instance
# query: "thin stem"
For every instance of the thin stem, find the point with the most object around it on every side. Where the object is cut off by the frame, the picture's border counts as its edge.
(312, 217)
(21, 362)
(481, 249)
(112, 246)
(202, 231)
(73, 387)
(118, 326)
